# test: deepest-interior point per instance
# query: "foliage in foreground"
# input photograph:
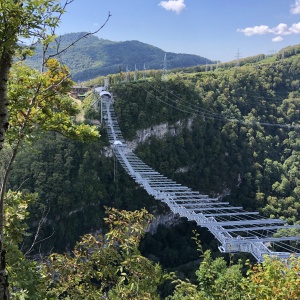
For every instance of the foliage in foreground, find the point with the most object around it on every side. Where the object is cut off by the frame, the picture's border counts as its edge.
(273, 279)
(110, 266)
(25, 279)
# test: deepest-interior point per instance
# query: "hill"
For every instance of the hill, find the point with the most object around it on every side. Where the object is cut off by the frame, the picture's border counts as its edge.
(92, 57)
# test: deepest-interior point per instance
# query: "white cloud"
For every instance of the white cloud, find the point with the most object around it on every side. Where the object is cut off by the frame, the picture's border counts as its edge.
(277, 39)
(262, 29)
(295, 8)
(281, 29)
(173, 5)
(295, 28)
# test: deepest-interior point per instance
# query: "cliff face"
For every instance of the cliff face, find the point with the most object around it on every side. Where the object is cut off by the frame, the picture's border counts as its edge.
(158, 131)
(168, 220)
(143, 135)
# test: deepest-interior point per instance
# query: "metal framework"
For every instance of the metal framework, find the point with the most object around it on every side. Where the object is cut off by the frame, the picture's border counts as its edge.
(237, 230)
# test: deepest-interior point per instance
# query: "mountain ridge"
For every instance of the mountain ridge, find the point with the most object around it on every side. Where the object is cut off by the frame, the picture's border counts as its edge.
(92, 56)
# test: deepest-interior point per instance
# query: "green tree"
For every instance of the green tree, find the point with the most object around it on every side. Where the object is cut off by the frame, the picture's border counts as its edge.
(39, 102)
(29, 19)
(107, 265)
(25, 277)
(273, 279)
(100, 265)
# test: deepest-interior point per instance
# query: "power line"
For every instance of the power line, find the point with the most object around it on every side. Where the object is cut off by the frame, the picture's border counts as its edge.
(193, 109)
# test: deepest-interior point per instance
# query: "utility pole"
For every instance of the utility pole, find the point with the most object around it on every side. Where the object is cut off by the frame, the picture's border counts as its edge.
(135, 73)
(165, 68)
(144, 72)
(238, 56)
(127, 74)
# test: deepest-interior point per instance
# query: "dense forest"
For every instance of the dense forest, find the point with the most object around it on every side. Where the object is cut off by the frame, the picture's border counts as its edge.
(233, 132)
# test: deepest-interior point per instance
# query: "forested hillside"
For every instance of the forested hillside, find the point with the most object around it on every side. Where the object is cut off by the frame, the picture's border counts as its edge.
(232, 132)
(92, 57)
(238, 132)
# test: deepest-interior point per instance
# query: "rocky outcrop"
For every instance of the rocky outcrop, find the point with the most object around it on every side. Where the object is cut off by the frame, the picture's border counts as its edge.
(159, 131)
(167, 220)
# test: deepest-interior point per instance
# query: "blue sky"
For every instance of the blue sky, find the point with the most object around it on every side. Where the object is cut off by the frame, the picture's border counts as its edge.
(215, 29)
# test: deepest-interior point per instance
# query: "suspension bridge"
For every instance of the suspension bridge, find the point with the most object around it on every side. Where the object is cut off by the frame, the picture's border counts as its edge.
(236, 229)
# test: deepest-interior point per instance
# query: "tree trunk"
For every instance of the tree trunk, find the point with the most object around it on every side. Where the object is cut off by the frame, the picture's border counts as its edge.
(4, 284)
(5, 65)
(4, 291)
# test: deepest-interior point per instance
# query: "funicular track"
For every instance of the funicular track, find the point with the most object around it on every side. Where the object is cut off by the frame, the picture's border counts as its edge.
(236, 230)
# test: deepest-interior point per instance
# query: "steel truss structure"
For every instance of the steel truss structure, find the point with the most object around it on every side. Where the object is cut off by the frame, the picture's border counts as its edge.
(237, 230)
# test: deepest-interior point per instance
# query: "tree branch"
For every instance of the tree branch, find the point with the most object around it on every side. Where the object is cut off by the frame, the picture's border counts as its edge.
(79, 39)
(35, 242)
